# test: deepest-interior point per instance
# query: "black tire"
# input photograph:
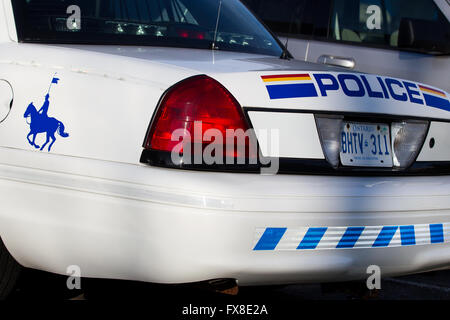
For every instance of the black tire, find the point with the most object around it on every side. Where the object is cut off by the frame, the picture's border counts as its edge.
(9, 272)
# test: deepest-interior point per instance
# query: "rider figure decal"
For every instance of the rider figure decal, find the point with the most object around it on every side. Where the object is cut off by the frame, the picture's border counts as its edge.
(40, 122)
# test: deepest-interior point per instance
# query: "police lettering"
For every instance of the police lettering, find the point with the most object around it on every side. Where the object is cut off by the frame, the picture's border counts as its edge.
(354, 85)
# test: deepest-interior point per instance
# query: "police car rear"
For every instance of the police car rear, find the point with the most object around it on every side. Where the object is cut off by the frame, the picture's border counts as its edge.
(292, 172)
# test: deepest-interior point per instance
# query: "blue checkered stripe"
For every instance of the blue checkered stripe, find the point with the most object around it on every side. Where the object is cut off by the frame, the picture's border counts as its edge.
(321, 238)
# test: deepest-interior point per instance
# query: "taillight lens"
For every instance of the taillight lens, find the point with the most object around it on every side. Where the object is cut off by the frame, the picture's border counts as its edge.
(408, 138)
(329, 128)
(199, 106)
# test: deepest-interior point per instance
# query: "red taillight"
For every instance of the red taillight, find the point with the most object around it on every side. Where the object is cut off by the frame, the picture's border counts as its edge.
(199, 99)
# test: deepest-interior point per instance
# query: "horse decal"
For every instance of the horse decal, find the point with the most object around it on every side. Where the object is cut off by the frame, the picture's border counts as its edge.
(40, 122)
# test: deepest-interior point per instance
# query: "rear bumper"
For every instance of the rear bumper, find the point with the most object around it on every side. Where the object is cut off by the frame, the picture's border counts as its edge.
(169, 226)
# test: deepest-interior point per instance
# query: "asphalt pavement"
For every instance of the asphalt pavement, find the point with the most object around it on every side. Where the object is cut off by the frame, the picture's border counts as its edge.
(36, 285)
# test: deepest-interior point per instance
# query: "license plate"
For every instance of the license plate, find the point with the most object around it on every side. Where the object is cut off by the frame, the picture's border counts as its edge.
(366, 145)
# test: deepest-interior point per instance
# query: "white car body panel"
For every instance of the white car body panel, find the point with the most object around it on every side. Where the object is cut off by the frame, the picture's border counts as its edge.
(4, 36)
(288, 125)
(134, 222)
(439, 132)
(334, 102)
(102, 85)
(8, 24)
(90, 202)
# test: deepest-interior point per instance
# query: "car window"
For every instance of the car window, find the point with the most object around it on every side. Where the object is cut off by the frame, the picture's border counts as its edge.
(377, 22)
(294, 17)
(180, 23)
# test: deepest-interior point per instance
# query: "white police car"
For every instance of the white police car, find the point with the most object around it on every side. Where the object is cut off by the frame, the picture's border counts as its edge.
(174, 141)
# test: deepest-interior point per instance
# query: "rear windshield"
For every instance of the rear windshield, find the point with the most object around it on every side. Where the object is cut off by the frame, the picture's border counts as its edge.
(224, 24)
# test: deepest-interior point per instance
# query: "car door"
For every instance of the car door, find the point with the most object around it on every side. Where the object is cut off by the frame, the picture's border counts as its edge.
(363, 35)
(360, 35)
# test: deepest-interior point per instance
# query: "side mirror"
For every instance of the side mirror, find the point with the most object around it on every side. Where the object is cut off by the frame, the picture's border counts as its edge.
(424, 36)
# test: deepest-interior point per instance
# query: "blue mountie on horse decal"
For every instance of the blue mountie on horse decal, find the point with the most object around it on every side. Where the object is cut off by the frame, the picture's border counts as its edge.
(40, 122)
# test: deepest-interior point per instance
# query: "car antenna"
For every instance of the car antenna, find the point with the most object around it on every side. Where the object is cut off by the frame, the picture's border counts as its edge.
(285, 55)
(217, 26)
